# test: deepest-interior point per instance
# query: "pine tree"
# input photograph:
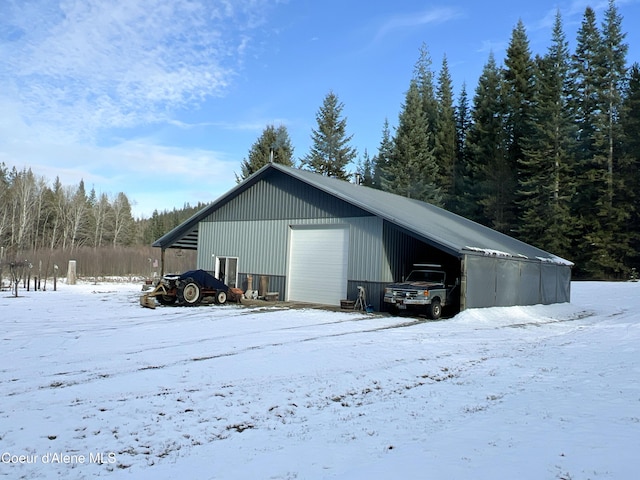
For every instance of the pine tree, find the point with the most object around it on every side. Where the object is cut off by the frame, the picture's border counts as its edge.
(445, 136)
(586, 78)
(79, 210)
(460, 200)
(615, 211)
(595, 67)
(491, 183)
(383, 158)
(629, 170)
(273, 145)
(330, 153)
(423, 76)
(518, 83)
(412, 170)
(545, 182)
(614, 71)
(365, 168)
(123, 222)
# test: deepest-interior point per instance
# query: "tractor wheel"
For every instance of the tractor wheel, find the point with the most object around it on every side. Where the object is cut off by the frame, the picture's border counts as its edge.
(221, 297)
(189, 292)
(166, 299)
(434, 310)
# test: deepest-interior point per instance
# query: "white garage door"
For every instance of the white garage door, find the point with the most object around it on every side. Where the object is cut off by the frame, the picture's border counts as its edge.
(318, 264)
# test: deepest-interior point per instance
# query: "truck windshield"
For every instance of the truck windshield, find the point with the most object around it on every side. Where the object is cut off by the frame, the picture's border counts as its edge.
(426, 276)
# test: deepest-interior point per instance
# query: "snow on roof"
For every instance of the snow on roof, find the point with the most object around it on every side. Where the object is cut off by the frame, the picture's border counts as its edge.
(493, 253)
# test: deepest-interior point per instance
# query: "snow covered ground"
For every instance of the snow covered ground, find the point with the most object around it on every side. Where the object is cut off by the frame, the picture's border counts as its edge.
(93, 385)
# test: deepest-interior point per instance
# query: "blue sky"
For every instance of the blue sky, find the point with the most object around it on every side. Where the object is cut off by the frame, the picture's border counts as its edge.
(163, 99)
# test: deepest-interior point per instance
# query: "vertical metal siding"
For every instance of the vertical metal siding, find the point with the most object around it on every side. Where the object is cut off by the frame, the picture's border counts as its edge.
(279, 198)
(401, 251)
(365, 249)
(374, 292)
(261, 245)
(276, 283)
(497, 281)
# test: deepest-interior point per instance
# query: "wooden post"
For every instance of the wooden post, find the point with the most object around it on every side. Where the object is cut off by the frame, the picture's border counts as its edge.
(264, 285)
(71, 273)
(162, 262)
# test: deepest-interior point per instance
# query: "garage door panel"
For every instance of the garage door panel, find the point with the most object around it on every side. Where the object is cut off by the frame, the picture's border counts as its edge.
(318, 259)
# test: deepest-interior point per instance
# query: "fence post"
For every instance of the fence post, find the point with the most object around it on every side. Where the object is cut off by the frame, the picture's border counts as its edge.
(71, 273)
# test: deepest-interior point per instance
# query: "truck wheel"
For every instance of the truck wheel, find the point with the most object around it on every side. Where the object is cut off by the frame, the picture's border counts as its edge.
(221, 297)
(434, 310)
(189, 292)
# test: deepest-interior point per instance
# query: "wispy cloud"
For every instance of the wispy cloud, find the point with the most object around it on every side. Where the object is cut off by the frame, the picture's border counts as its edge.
(488, 46)
(174, 172)
(571, 12)
(435, 15)
(82, 66)
(79, 77)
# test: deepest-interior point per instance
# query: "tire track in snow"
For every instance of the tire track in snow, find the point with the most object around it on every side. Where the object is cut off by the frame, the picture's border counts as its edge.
(65, 379)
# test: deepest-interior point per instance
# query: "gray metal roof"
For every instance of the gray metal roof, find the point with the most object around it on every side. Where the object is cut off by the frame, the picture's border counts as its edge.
(432, 224)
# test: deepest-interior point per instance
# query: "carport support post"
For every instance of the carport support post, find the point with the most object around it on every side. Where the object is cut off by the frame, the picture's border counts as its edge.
(463, 283)
(162, 262)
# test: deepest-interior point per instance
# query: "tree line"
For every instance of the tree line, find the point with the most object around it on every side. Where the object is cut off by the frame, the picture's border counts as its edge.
(546, 150)
(34, 215)
(45, 225)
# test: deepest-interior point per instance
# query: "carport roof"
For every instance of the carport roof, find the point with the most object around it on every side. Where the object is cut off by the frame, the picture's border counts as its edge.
(433, 225)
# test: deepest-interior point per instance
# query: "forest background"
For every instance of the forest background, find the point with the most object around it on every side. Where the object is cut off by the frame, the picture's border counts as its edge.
(547, 150)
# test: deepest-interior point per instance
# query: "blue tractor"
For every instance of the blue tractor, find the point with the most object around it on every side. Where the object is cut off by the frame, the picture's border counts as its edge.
(189, 289)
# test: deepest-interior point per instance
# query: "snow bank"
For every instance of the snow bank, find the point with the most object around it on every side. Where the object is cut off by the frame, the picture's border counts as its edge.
(93, 385)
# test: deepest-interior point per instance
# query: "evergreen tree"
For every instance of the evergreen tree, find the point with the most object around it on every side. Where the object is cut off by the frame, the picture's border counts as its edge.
(518, 84)
(4, 205)
(330, 153)
(614, 72)
(445, 136)
(545, 182)
(600, 250)
(365, 168)
(78, 217)
(629, 171)
(460, 201)
(273, 145)
(155, 228)
(412, 170)
(491, 183)
(383, 158)
(423, 76)
(123, 222)
(58, 214)
(586, 79)
(614, 210)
